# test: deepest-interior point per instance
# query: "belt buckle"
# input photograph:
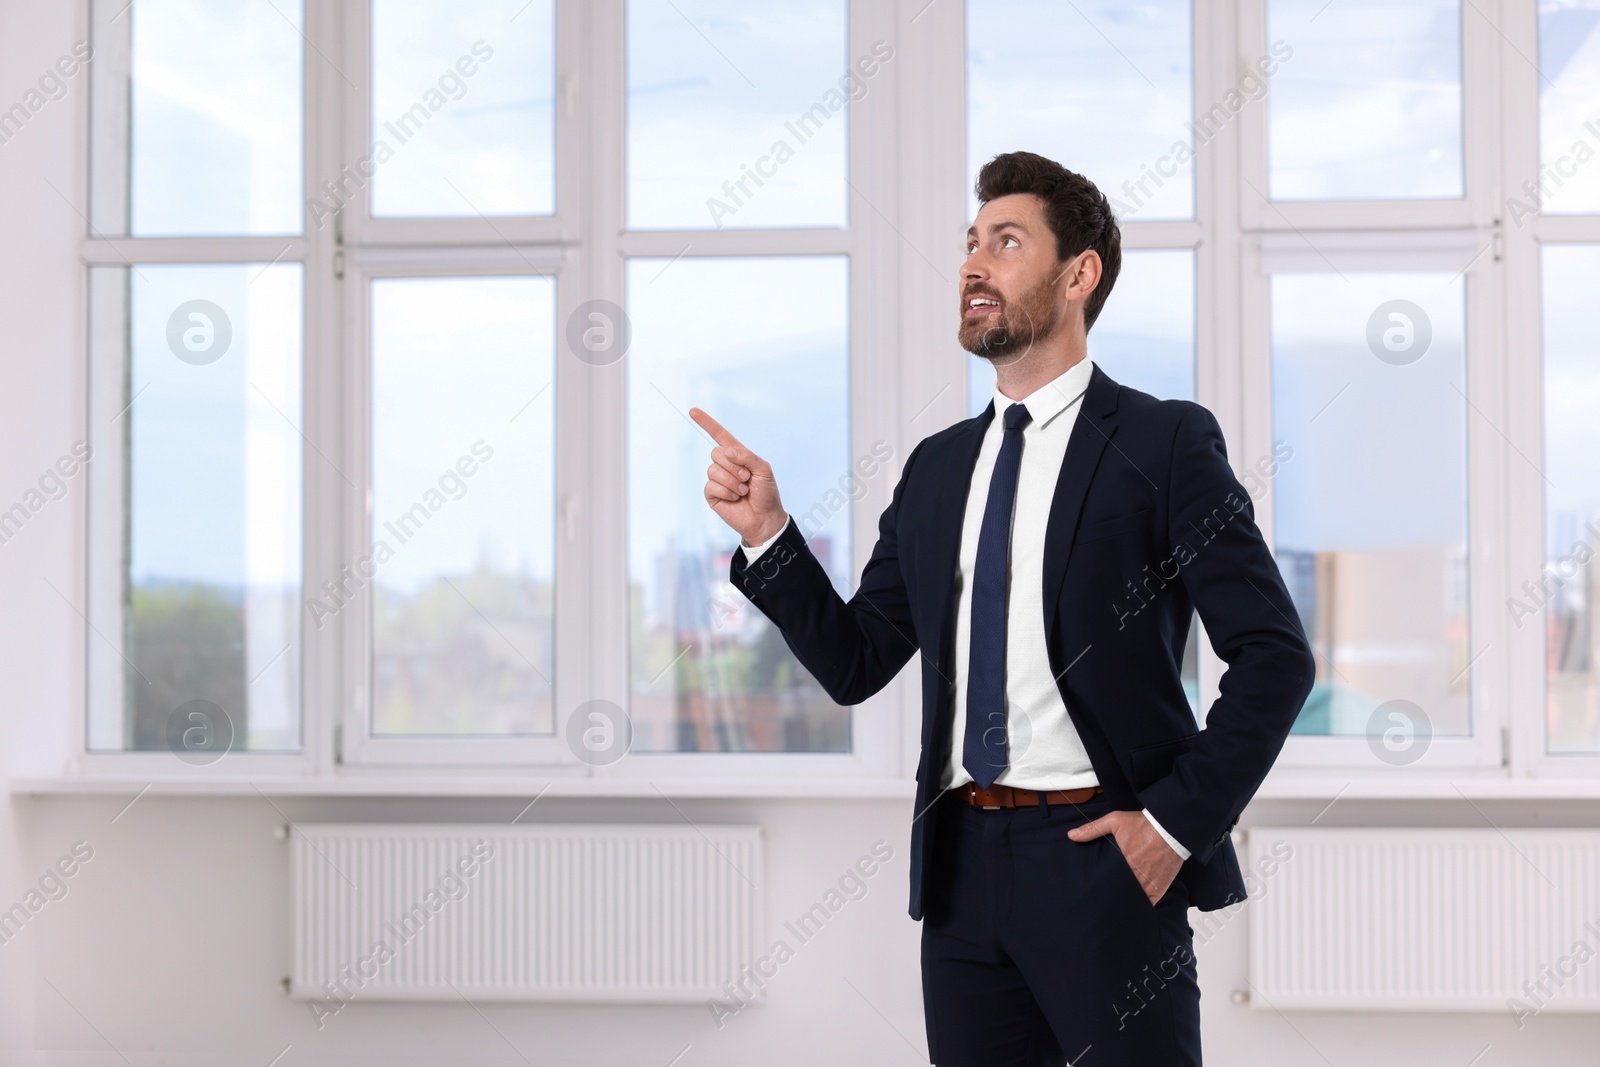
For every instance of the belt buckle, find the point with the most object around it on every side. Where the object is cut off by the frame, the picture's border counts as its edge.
(972, 793)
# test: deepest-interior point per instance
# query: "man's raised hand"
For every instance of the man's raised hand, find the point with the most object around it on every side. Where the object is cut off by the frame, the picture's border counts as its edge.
(740, 486)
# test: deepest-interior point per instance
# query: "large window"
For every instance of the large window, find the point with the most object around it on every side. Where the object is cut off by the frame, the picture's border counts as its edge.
(395, 313)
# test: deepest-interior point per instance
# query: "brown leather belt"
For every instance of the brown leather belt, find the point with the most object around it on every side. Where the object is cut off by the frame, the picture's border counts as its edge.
(1005, 796)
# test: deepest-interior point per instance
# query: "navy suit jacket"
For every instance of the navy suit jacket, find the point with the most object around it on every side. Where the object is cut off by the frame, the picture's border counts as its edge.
(1147, 526)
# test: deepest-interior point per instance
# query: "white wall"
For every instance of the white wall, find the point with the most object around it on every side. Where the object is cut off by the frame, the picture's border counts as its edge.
(173, 940)
(171, 943)
(40, 357)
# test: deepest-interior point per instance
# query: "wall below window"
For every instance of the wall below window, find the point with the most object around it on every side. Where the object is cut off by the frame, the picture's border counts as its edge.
(173, 939)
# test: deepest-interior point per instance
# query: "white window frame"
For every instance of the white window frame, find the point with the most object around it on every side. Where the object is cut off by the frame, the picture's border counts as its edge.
(907, 208)
(307, 249)
(370, 249)
(581, 245)
(878, 725)
(1435, 235)
(1524, 397)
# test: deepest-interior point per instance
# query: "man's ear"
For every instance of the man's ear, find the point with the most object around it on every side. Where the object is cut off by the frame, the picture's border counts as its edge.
(1071, 271)
(1080, 275)
(1087, 271)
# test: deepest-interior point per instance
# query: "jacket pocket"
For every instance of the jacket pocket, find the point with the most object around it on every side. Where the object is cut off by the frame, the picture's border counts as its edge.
(1112, 527)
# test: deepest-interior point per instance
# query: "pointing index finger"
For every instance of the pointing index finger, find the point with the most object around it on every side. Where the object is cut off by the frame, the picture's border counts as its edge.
(715, 429)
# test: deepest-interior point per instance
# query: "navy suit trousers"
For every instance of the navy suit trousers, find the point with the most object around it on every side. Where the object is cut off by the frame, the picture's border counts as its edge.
(1040, 951)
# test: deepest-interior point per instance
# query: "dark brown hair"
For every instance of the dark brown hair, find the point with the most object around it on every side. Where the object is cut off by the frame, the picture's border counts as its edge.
(1078, 213)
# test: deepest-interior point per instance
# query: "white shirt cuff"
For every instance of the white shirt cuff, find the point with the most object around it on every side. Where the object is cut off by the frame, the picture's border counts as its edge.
(1172, 842)
(752, 552)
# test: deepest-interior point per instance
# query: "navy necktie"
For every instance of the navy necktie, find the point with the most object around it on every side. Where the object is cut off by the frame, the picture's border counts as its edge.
(984, 748)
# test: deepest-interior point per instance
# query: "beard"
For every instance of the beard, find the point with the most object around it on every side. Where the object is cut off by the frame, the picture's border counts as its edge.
(1008, 337)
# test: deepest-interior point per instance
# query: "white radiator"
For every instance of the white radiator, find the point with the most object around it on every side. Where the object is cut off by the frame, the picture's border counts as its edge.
(1425, 920)
(551, 913)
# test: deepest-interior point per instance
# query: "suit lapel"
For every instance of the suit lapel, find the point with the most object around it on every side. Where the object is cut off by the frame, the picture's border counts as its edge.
(1090, 436)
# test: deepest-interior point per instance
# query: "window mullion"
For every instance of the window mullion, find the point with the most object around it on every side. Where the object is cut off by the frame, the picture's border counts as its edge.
(592, 418)
(329, 688)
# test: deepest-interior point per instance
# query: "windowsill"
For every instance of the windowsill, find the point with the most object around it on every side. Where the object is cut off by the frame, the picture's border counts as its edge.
(434, 784)
(1299, 784)
(1489, 784)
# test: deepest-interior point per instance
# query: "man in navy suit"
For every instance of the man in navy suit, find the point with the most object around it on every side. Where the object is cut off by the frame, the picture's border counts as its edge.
(1045, 558)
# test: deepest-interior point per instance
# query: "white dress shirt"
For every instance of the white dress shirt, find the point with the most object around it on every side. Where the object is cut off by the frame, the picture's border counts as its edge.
(1043, 747)
(1044, 750)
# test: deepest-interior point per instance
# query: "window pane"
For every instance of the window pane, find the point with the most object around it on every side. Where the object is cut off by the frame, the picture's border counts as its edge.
(1369, 105)
(1569, 85)
(1568, 590)
(195, 528)
(197, 117)
(463, 112)
(462, 555)
(1370, 502)
(737, 114)
(1144, 337)
(1105, 89)
(710, 673)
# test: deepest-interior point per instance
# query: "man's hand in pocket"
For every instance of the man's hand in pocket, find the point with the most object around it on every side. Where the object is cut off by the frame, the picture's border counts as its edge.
(1149, 856)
